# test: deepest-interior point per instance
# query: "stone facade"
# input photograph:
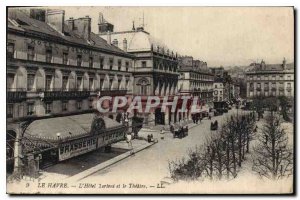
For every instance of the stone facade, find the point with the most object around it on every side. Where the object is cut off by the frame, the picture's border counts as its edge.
(58, 68)
(155, 69)
(270, 80)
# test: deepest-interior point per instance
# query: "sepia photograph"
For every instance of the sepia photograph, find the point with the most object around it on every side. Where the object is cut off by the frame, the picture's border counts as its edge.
(150, 100)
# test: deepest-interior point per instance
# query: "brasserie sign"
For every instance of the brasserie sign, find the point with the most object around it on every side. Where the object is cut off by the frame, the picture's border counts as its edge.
(77, 147)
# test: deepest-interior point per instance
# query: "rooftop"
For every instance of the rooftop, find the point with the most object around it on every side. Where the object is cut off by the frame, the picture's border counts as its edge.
(21, 21)
(263, 67)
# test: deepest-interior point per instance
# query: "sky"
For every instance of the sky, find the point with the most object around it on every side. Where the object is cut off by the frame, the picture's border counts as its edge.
(220, 36)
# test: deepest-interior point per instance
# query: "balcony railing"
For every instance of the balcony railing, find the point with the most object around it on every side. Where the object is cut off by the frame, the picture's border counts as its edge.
(15, 95)
(55, 94)
(113, 92)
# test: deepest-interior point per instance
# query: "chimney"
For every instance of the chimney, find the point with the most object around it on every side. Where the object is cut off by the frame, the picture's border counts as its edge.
(125, 44)
(115, 42)
(100, 19)
(83, 26)
(103, 25)
(56, 18)
(38, 14)
(284, 63)
(108, 38)
(70, 23)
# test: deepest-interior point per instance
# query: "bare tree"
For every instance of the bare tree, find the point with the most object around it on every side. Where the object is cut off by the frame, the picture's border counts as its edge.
(221, 154)
(272, 157)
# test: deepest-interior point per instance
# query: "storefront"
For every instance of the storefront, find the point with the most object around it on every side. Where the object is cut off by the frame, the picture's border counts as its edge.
(61, 138)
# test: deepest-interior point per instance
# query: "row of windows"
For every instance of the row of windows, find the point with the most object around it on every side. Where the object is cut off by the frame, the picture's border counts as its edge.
(267, 93)
(216, 92)
(220, 84)
(201, 77)
(65, 80)
(201, 84)
(218, 99)
(272, 77)
(30, 56)
(273, 84)
(170, 67)
(48, 108)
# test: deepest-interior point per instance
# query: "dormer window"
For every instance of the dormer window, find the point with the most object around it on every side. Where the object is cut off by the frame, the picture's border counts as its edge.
(111, 62)
(48, 55)
(79, 60)
(115, 42)
(90, 61)
(65, 58)
(101, 62)
(30, 53)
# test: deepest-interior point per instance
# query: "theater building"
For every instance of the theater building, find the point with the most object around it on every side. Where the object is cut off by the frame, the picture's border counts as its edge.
(155, 69)
(56, 70)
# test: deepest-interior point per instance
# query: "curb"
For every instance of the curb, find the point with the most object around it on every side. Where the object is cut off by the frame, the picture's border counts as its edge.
(106, 164)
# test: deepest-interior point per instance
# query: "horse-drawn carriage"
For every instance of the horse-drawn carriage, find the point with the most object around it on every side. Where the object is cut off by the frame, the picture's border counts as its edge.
(214, 125)
(179, 131)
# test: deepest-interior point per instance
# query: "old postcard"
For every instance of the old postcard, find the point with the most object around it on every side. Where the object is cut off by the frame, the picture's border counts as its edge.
(150, 100)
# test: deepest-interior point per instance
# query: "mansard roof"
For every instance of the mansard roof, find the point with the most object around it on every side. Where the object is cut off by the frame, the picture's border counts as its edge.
(20, 21)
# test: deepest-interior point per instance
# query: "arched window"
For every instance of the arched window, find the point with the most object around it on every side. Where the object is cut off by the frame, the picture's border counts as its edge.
(143, 87)
(143, 83)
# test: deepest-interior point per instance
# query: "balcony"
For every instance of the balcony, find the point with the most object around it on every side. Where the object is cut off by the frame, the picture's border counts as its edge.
(64, 95)
(15, 95)
(113, 92)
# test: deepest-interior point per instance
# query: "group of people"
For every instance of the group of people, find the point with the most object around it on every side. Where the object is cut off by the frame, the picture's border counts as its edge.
(179, 130)
(214, 125)
(196, 119)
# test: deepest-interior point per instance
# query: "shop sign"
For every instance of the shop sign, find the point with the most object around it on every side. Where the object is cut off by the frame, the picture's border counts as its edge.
(76, 147)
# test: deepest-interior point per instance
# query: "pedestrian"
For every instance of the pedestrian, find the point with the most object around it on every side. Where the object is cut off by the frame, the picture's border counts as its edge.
(129, 141)
(162, 134)
(172, 128)
(216, 124)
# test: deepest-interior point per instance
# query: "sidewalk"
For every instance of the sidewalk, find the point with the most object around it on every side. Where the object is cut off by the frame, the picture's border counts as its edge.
(138, 145)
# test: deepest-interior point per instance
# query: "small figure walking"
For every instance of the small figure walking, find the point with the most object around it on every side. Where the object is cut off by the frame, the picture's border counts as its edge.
(129, 141)
(162, 134)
